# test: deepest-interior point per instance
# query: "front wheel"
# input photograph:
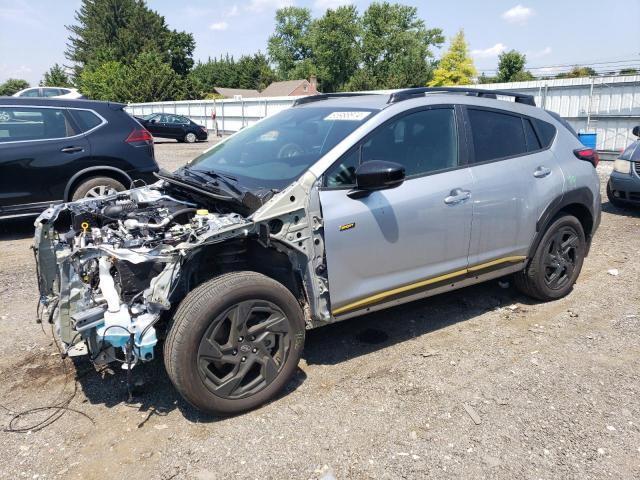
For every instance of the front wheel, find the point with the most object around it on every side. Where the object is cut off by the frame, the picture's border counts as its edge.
(557, 262)
(234, 342)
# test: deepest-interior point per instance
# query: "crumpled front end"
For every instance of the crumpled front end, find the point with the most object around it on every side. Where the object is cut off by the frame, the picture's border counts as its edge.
(108, 267)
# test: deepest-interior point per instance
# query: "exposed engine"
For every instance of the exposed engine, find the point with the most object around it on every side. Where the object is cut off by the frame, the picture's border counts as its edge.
(107, 266)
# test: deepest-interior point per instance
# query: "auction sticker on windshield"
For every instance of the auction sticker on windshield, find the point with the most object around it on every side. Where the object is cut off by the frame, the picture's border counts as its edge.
(350, 116)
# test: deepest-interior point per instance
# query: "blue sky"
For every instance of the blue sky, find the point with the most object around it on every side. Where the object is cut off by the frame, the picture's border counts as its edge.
(550, 32)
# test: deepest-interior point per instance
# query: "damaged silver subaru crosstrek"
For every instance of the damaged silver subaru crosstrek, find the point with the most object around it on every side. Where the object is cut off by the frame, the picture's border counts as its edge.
(339, 206)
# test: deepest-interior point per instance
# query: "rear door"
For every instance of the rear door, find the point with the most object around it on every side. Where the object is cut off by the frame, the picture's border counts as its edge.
(515, 176)
(400, 241)
(38, 149)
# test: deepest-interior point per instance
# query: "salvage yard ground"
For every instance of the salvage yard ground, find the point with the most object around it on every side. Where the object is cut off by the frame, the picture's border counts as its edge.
(479, 383)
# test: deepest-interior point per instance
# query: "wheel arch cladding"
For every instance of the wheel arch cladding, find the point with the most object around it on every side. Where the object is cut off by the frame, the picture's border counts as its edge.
(578, 203)
(102, 171)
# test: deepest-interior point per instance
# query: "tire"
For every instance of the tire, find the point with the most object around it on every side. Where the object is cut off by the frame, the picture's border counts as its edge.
(616, 202)
(190, 137)
(225, 374)
(550, 261)
(92, 187)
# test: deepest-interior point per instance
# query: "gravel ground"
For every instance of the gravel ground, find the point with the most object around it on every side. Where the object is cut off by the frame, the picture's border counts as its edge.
(478, 383)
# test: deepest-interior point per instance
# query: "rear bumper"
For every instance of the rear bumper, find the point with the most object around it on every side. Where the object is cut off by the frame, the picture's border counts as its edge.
(625, 188)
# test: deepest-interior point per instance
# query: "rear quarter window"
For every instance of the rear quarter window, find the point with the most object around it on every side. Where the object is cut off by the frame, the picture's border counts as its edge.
(85, 119)
(546, 132)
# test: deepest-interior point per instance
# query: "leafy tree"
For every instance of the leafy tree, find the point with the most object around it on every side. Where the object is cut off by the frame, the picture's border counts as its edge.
(510, 65)
(289, 44)
(254, 72)
(484, 79)
(13, 85)
(56, 77)
(395, 48)
(455, 66)
(104, 82)
(629, 71)
(120, 30)
(335, 50)
(577, 72)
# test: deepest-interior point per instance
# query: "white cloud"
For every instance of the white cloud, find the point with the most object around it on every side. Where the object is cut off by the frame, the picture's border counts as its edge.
(518, 14)
(539, 53)
(262, 5)
(219, 26)
(232, 12)
(490, 52)
(332, 4)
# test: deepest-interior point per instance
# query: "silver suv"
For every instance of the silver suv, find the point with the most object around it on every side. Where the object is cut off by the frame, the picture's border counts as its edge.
(342, 205)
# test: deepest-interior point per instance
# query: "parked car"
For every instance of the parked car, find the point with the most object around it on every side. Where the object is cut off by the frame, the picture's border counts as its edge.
(54, 151)
(167, 125)
(337, 207)
(623, 187)
(49, 92)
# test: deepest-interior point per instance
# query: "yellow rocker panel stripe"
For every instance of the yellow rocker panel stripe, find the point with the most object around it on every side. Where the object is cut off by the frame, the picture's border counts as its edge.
(422, 283)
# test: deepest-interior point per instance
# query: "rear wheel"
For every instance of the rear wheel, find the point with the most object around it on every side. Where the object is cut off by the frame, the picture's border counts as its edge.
(190, 137)
(97, 187)
(616, 202)
(234, 343)
(557, 262)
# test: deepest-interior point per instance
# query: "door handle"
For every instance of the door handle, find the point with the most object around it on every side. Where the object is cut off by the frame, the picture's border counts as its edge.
(542, 172)
(72, 149)
(456, 196)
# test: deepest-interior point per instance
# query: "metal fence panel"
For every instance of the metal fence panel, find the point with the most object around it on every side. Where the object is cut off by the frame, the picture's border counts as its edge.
(608, 106)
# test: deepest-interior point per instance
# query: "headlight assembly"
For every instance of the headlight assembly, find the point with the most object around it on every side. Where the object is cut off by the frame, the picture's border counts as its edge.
(622, 166)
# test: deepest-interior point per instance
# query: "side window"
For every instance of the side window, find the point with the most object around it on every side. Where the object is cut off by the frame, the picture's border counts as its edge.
(496, 135)
(50, 92)
(533, 143)
(546, 131)
(34, 92)
(85, 119)
(17, 123)
(423, 142)
(343, 172)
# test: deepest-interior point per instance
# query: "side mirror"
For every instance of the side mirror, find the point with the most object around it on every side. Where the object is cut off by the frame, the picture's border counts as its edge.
(636, 130)
(153, 120)
(377, 175)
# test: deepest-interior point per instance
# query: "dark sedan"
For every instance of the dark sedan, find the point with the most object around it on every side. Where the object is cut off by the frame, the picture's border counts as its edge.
(167, 125)
(58, 150)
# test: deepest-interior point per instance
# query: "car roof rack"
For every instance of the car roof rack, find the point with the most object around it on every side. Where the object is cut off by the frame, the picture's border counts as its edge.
(326, 96)
(408, 93)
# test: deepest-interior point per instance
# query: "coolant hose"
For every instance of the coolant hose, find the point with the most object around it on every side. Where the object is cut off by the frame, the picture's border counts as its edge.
(107, 285)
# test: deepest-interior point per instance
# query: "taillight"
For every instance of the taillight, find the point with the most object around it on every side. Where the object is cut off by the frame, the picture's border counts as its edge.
(588, 154)
(139, 135)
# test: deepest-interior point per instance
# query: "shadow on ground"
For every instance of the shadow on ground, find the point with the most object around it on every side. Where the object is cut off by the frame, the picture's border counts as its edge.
(627, 210)
(329, 345)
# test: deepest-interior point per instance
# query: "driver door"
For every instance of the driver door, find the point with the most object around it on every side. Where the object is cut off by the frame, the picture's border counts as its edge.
(401, 241)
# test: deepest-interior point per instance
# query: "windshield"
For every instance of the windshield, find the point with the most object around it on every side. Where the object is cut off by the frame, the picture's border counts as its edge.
(276, 151)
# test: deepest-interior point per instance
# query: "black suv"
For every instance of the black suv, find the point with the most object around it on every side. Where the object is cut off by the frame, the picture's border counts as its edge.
(54, 150)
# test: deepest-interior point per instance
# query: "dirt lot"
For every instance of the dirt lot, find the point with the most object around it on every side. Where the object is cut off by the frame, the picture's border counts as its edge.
(553, 387)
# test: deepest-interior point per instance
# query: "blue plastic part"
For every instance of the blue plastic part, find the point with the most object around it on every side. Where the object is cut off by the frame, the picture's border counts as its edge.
(588, 139)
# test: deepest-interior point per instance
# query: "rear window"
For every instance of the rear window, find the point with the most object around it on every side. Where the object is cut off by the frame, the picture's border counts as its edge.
(20, 124)
(85, 119)
(496, 135)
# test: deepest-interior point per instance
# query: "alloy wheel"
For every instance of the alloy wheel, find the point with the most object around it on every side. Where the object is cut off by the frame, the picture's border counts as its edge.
(100, 191)
(561, 257)
(244, 349)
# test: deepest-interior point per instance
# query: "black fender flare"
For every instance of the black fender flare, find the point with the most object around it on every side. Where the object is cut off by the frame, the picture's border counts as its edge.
(72, 180)
(581, 196)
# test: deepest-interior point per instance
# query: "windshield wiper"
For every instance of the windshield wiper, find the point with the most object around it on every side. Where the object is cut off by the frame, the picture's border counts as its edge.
(229, 181)
(204, 187)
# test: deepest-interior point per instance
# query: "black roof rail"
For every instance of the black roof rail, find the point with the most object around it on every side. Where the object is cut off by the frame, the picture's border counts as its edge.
(326, 96)
(405, 94)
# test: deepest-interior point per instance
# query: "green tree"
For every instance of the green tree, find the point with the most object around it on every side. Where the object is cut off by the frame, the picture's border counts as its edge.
(335, 51)
(395, 48)
(289, 44)
(12, 85)
(56, 76)
(510, 65)
(577, 72)
(254, 72)
(483, 79)
(455, 66)
(149, 79)
(120, 30)
(629, 71)
(104, 82)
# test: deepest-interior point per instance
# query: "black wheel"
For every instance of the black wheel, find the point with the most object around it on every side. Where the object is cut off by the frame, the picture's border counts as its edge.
(234, 342)
(616, 202)
(557, 262)
(97, 187)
